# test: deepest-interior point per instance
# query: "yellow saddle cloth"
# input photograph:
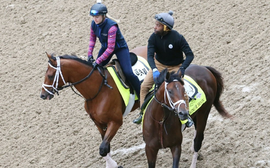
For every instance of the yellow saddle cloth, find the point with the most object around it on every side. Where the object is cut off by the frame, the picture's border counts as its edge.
(196, 94)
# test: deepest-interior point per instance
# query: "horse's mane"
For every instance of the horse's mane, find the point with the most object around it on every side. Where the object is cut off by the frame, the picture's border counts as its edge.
(73, 57)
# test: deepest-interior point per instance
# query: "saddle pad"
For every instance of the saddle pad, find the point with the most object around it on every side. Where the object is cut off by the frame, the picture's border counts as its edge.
(194, 91)
(125, 92)
(140, 68)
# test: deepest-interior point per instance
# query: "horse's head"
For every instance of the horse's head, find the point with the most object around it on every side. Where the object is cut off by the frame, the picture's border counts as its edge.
(51, 82)
(174, 92)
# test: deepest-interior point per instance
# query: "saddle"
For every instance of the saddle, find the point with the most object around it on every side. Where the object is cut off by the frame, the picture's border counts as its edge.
(119, 72)
(140, 68)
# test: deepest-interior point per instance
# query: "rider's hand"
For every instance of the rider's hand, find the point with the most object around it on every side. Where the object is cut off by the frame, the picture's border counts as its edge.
(156, 73)
(95, 64)
(182, 69)
(90, 59)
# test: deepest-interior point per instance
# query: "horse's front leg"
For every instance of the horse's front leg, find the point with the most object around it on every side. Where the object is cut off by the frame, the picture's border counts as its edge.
(176, 153)
(104, 149)
(110, 163)
(111, 130)
(151, 154)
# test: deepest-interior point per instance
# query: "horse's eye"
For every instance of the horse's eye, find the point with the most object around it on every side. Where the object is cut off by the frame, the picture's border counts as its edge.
(50, 77)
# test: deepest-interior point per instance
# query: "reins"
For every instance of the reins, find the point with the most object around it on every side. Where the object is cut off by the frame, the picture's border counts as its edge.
(59, 73)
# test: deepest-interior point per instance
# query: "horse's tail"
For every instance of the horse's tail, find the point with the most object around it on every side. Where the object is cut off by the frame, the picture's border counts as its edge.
(220, 86)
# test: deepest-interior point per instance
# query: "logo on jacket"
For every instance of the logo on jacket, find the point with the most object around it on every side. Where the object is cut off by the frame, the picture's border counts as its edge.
(170, 46)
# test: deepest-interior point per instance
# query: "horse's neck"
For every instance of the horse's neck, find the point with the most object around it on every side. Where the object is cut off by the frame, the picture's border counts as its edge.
(75, 71)
(160, 93)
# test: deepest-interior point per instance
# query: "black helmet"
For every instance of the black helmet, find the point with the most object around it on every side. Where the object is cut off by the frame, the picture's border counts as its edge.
(98, 9)
(166, 19)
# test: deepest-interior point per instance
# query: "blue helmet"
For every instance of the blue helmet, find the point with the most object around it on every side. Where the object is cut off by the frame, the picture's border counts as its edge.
(165, 19)
(98, 9)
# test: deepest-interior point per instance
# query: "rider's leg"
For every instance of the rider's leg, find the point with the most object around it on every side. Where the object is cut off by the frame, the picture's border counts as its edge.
(124, 60)
(189, 123)
(145, 87)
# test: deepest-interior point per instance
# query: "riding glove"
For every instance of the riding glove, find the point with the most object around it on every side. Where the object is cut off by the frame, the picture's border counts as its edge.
(156, 73)
(90, 59)
(182, 69)
(95, 64)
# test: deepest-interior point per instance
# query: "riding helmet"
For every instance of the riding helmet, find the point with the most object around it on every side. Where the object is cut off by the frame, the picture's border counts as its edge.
(98, 9)
(165, 19)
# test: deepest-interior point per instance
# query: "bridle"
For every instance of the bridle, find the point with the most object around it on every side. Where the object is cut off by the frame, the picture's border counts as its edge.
(59, 73)
(173, 106)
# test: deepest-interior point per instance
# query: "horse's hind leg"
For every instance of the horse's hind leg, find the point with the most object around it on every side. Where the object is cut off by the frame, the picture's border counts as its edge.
(151, 155)
(176, 153)
(200, 123)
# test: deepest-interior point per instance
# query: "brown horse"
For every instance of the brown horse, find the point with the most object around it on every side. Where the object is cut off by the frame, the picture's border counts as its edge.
(103, 101)
(161, 125)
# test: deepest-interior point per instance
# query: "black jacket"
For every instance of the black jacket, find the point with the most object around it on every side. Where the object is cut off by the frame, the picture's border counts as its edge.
(169, 49)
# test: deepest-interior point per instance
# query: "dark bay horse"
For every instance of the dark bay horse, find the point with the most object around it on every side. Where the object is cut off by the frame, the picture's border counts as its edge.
(161, 126)
(103, 101)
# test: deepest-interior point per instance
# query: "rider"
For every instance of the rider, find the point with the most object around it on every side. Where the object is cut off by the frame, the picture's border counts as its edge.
(165, 50)
(112, 42)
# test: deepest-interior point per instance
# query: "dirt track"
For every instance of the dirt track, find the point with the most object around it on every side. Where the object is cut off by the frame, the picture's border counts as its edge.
(232, 36)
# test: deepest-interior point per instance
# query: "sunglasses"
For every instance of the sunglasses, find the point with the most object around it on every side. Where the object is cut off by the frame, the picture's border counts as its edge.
(159, 18)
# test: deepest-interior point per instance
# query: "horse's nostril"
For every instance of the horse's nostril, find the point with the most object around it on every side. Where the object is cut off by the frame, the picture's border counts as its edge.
(42, 96)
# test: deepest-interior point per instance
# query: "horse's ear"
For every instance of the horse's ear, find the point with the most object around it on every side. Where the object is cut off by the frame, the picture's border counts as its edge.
(167, 76)
(51, 57)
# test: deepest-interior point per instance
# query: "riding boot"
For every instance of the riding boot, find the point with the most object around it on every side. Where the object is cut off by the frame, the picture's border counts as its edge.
(189, 123)
(139, 119)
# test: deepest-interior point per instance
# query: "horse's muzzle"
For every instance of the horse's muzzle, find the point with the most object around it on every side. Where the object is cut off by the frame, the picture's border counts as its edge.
(46, 95)
(183, 115)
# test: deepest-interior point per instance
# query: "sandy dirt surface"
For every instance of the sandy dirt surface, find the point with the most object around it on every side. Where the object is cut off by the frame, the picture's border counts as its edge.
(232, 36)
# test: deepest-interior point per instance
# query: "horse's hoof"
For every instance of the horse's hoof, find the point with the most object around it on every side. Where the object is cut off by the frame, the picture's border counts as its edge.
(200, 156)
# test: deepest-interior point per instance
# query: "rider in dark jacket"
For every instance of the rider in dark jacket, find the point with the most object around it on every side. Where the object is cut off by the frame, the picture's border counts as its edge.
(165, 50)
(112, 42)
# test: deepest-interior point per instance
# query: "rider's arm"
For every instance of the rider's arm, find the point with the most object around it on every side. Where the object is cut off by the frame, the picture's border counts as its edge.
(188, 52)
(151, 51)
(92, 43)
(111, 44)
